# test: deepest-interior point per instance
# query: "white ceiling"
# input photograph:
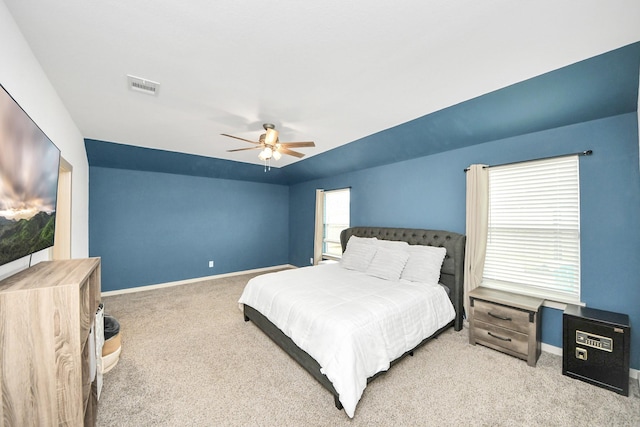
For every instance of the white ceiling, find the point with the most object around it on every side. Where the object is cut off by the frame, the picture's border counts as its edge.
(331, 71)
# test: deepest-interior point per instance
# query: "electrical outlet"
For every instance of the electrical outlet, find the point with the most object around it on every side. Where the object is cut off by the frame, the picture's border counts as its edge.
(210, 264)
(311, 261)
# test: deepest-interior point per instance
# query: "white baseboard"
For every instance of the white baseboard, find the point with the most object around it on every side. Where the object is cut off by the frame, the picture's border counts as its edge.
(197, 279)
(547, 348)
(633, 373)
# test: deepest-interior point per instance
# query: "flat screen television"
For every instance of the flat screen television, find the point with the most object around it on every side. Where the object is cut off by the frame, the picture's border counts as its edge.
(29, 167)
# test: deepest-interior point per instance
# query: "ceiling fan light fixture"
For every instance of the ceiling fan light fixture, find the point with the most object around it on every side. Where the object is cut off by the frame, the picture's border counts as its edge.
(272, 137)
(276, 155)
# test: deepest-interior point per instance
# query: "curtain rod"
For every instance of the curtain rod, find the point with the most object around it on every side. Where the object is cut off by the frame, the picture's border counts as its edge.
(581, 153)
(335, 189)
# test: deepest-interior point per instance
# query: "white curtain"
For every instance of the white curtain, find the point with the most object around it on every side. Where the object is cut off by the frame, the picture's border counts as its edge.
(477, 223)
(319, 229)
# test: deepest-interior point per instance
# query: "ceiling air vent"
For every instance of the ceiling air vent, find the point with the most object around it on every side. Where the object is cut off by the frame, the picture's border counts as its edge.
(143, 85)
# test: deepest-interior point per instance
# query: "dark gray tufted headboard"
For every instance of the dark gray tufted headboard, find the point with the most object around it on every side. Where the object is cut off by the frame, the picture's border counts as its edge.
(452, 272)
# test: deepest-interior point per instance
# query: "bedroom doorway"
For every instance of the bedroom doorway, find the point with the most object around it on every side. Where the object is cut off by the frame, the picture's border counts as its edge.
(62, 243)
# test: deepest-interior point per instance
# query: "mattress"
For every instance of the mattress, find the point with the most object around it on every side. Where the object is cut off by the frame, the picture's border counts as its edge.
(354, 325)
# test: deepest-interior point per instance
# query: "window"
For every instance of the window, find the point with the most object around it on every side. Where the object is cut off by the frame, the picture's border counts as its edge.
(335, 219)
(533, 241)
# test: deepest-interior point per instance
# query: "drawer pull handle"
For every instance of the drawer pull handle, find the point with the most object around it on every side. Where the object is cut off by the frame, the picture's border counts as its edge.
(499, 317)
(499, 337)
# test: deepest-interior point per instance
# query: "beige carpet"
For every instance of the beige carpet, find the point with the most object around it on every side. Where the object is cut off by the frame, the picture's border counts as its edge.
(189, 359)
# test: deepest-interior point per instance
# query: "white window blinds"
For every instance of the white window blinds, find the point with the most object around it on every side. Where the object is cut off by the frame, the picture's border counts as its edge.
(533, 242)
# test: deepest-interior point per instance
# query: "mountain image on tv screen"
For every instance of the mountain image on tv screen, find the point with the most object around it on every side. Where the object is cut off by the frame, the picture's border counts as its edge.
(29, 164)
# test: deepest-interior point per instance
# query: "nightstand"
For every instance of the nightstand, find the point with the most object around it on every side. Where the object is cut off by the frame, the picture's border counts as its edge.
(506, 322)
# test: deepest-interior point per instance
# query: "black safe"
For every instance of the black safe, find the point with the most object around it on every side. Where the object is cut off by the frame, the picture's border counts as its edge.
(596, 347)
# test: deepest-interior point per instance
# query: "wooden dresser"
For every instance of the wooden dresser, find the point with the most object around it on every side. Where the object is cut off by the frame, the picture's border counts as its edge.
(506, 322)
(46, 313)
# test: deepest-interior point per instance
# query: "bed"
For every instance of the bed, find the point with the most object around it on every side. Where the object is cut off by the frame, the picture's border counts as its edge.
(364, 344)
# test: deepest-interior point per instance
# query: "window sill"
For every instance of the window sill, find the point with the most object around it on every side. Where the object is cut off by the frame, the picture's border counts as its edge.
(549, 300)
(559, 305)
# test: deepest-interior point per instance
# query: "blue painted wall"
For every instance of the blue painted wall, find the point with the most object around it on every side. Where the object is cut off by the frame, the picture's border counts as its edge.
(152, 228)
(429, 192)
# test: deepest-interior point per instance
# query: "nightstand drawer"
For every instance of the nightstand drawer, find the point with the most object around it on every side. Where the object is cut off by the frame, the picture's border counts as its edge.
(501, 337)
(506, 317)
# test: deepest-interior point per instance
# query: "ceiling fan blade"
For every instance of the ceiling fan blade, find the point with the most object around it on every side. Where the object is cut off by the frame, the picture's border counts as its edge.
(284, 150)
(241, 139)
(298, 144)
(243, 149)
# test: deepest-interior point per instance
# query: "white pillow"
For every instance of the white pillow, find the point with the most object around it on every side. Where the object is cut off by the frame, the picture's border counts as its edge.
(388, 264)
(367, 240)
(392, 244)
(424, 264)
(358, 254)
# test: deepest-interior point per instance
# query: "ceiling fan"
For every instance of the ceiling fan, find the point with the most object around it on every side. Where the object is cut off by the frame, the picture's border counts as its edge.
(270, 145)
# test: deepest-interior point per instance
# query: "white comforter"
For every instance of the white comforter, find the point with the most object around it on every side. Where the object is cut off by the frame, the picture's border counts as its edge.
(352, 324)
